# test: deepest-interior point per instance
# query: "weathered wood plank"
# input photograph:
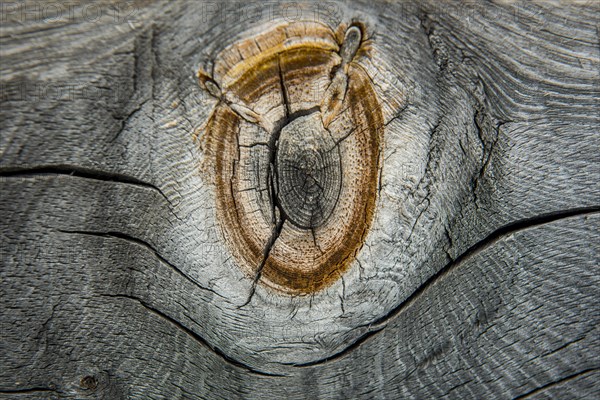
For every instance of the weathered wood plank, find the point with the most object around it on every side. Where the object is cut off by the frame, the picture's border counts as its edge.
(477, 277)
(514, 315)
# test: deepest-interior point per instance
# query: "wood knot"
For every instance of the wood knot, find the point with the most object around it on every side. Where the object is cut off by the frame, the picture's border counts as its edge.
(89, 382)
(293, 149)
(308, 170)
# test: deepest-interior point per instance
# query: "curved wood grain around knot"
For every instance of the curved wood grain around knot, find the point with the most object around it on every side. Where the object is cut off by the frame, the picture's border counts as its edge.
(293, 148)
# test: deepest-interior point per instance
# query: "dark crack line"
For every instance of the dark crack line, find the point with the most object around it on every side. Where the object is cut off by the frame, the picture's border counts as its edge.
(478, 115)
(139, 242)
(380, 165)
(267, 252)
(32, 390)
(137, 73)
(194, 335)
(557, 382)
(273, 179)
(250, 146)
(337, 117)
(396, 116)
(450, 244)
(315, 242)
(124, 120)
(379, 324)
(76, 171)
(480, 246)
(428, 163)
(258, 189)
(487, 153)
(564, 346)
(233, 178)
(412, 229)
(346, 136)
(278, 214)
(232, 190)
(284, 92)
(354, 345)
(42, 333)
(343, 295)
(425, 181)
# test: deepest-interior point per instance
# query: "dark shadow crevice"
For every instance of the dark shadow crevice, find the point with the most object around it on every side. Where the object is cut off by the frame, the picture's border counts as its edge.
(76, 171)
(353, 346)
(376, 326)
(32, 391)
(139, 242)
(193, 335)
(554, 383)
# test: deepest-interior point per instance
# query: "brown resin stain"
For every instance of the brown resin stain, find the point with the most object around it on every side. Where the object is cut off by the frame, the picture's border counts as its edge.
(264, 83)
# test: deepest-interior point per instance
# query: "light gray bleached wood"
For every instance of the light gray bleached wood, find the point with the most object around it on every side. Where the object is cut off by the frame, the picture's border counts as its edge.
(114, 267)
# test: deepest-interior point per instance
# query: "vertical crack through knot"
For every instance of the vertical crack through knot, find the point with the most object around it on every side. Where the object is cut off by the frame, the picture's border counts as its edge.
(300, 169)
(278, 214)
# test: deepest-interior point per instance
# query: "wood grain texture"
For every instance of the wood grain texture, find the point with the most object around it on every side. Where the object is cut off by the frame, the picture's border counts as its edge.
(293, 148)
(478, 277)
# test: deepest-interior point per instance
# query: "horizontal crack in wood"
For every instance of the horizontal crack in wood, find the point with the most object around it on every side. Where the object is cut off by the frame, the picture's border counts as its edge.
(556, 382)
(378, 325)
(31, 390)
(85, 173)
(76, 171)
(139, 242)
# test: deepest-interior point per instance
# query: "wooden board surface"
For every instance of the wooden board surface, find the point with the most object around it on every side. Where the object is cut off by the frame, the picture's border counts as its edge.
(478, 278)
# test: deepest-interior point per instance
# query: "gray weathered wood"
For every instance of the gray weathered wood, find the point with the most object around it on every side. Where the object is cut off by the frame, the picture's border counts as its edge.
(479, 276)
